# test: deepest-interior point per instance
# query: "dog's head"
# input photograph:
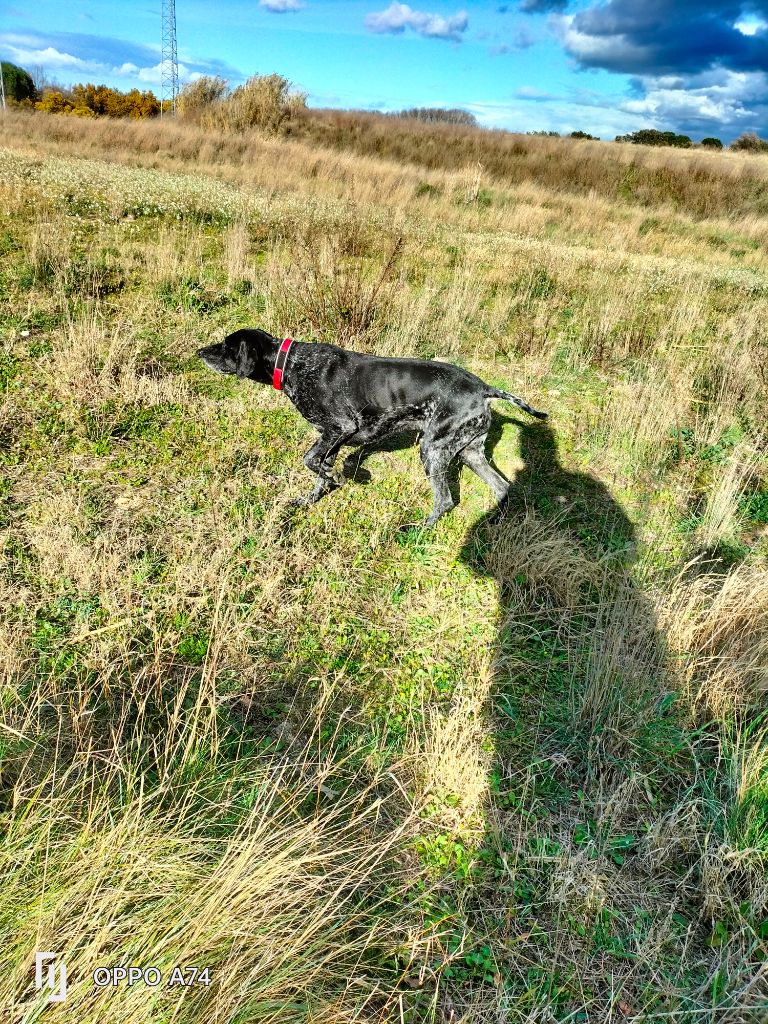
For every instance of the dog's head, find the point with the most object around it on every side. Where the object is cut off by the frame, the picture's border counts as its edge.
(245, 353)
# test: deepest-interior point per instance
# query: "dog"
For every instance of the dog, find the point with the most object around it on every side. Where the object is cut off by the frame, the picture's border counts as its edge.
(354, 400)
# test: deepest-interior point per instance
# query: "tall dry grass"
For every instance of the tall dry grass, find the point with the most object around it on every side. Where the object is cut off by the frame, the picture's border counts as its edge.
(702, 184)
(272, 872)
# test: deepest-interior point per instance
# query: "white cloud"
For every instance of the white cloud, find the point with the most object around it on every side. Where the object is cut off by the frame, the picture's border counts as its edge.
(397, 17)
(723, 97)
(557, 114)
(54, 60)
(281, 6)
(74, 57)
(715, 102)
(49, 56)
(154, 75)
(530, 92)
(750, 26)
(717, 99)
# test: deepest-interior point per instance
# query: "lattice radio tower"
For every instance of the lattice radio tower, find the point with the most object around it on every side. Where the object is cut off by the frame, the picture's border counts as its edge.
(169, 61)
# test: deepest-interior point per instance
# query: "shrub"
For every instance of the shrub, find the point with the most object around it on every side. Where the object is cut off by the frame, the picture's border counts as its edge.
(55, 102)
(99, 101)
(711, 143)
(112, 103)
(583, 135)
(199, 96)
(264, 101)
(652, 137)
(750, 142)
(438, 115)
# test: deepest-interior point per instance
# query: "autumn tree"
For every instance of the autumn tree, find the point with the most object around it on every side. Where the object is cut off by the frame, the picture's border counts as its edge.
(100, 101)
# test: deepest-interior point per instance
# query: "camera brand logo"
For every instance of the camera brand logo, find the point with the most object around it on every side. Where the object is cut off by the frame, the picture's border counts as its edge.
(48, 979)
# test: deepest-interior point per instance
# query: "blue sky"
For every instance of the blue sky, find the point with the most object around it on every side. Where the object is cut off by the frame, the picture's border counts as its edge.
(603, 67)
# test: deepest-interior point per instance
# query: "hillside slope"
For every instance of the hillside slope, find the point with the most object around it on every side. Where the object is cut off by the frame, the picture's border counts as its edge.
(360, 772)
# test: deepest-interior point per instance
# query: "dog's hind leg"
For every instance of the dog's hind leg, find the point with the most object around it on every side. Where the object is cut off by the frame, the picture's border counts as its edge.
(474, 457)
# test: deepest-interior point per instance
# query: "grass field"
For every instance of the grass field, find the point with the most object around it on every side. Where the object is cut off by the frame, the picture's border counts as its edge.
(512, 772)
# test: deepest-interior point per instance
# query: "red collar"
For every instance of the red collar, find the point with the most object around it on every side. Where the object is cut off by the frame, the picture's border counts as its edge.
(282, 356)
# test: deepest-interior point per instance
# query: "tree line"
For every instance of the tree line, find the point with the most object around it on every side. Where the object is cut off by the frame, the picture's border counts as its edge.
(80, 100)
(269, 102)
(264, 101)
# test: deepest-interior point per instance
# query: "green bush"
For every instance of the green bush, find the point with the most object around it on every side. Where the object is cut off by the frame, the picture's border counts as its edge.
(750, 142)
(17, 83)
(652, 137)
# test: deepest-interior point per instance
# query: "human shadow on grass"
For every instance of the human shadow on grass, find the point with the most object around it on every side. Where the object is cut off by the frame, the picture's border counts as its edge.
(574, 708)
(561, 546)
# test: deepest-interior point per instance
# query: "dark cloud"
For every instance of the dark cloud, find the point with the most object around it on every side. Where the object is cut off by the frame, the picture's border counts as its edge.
(542, 6)
(698, 67)
(665, 36)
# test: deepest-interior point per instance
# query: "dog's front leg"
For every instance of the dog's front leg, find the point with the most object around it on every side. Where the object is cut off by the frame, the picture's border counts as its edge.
(436, 463)
(321, 458)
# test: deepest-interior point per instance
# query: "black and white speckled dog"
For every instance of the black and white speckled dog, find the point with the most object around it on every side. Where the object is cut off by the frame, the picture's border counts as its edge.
(354, 400)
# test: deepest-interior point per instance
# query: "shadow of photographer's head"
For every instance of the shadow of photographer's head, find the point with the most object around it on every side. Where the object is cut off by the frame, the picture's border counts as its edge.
(544, 496)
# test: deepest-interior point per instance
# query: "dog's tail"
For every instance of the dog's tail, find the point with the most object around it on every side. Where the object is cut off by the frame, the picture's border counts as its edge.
(496, 393)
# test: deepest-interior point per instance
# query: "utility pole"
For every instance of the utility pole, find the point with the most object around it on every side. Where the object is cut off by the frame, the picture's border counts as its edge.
(2, 86)
(169, 61)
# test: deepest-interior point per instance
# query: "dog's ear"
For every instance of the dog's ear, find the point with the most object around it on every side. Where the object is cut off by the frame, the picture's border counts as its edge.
(245, 362)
